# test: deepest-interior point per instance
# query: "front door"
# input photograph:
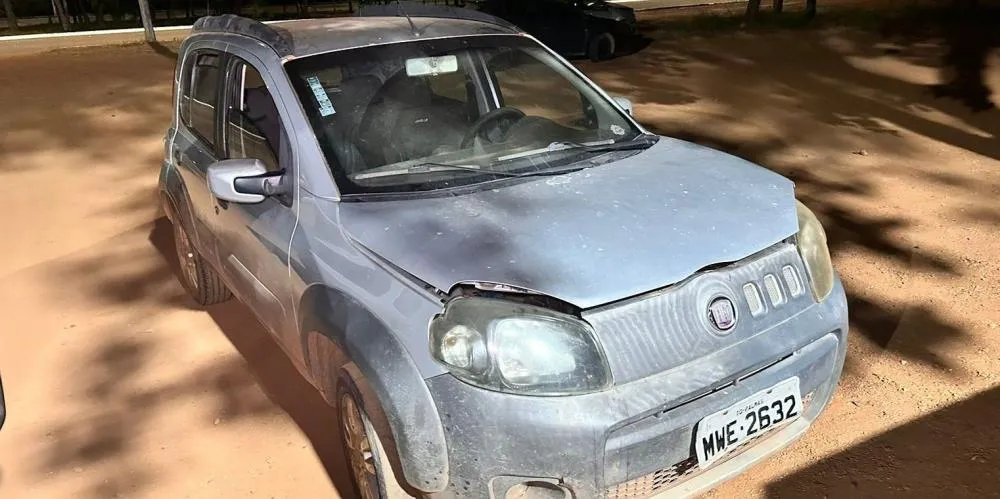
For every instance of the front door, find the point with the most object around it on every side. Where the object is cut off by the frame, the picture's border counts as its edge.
(254, 238)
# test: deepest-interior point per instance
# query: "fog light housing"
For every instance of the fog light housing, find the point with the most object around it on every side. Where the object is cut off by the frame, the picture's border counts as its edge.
(538, 490)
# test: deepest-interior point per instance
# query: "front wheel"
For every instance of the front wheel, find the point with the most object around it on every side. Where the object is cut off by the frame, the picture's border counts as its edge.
(199, 279)
(367, 461)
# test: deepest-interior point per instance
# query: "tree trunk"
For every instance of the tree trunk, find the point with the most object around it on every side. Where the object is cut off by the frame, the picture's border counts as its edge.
(190, 9)
(753, 8)
(59, 9)
(170, 7)
(778, 6)
(8, 7)
(100, 13)
(147, 20)
(810, 9)
(83, 16)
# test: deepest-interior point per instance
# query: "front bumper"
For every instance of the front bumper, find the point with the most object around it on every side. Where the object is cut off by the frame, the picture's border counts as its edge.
(636, 440)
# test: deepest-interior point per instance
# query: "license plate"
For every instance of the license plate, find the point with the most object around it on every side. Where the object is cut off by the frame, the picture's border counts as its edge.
(755, 415)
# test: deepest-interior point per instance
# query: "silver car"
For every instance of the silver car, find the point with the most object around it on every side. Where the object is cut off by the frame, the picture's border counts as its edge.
(504, 283)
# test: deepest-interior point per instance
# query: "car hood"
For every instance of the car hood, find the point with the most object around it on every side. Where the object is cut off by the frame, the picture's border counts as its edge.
(589, 237)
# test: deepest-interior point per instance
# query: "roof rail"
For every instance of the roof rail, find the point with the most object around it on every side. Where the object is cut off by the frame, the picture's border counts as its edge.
(277, 38)
(415, 9)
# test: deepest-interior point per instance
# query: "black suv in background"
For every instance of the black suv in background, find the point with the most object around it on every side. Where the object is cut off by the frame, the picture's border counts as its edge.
(591, 28)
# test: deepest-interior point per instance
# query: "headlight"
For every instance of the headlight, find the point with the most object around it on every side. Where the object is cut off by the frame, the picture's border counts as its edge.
(811, 242)
(513, 347)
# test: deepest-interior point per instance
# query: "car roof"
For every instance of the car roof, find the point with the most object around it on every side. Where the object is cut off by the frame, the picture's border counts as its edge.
(300, 38)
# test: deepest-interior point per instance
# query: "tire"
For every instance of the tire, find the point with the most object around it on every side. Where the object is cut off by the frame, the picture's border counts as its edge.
(601, 47)
(200, 280)
(367, 462)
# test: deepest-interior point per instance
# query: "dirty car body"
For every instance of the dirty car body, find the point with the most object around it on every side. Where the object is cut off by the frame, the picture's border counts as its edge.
(504, 283)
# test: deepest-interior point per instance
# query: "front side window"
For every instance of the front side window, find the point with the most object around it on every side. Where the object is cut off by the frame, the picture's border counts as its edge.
(201, 93)
(426, 115)
(253, 126)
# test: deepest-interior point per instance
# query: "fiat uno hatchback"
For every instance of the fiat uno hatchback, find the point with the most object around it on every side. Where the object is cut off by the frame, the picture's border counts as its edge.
(505, 285)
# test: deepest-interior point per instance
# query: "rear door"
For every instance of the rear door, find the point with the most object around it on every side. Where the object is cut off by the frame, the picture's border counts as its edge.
(195, 147)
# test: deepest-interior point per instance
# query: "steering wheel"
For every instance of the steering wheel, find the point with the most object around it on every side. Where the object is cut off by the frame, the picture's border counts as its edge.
(492, 119)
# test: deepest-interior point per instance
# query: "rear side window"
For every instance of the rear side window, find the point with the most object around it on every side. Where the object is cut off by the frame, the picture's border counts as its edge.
(200, 96)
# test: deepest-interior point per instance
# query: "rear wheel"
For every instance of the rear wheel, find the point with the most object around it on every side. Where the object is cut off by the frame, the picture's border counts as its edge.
(200, 280)
(367, 461)
(601, 47)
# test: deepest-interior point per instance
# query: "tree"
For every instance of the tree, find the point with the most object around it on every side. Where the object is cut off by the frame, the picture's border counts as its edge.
(810, 9)
(8, 7)
(147, 20)
(753, 7)
(61, 12)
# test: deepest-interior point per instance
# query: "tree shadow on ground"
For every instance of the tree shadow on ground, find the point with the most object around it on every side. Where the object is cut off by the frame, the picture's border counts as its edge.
(102, 439)
(163, 50)
(277, 376)
(952, 451)
(969, 31)
(112, 406)
(769, 97)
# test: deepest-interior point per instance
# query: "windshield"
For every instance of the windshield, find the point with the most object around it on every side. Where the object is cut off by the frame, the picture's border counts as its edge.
(426, 115)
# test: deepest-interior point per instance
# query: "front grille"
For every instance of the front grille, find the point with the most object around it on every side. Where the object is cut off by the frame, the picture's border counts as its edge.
(652, 483)
(664, 478)
(666, 328)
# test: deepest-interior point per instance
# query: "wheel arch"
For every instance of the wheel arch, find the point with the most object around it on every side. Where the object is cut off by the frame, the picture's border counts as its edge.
(395, 394)
(174, 198)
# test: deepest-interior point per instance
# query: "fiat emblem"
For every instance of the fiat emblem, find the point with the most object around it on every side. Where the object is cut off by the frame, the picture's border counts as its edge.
(722, 314)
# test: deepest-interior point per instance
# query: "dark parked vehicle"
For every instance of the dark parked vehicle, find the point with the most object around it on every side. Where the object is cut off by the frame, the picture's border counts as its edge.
(592, 28)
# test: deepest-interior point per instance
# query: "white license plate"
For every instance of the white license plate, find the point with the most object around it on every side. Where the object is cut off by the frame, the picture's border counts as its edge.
(755, 415)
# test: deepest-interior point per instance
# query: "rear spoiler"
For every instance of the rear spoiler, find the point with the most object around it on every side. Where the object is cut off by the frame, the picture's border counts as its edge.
(415, 9)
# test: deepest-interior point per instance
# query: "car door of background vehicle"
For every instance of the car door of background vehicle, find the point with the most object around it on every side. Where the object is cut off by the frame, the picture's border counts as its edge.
(194, 146)
(559, 24)
(254, 238)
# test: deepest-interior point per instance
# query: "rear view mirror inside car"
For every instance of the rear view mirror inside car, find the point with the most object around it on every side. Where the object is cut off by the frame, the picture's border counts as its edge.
(431, 66)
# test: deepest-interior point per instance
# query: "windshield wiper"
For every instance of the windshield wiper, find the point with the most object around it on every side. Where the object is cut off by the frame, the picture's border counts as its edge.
(643, 141)
(430, 167)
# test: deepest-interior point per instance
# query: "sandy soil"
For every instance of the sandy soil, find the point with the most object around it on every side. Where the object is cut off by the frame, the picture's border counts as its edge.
(118, 387)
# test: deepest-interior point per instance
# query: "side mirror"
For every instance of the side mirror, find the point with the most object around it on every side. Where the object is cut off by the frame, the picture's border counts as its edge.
(623, 102)
(244, 181)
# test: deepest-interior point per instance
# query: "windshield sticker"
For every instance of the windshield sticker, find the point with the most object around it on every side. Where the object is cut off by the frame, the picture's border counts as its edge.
(617, 130)
(325, 106)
